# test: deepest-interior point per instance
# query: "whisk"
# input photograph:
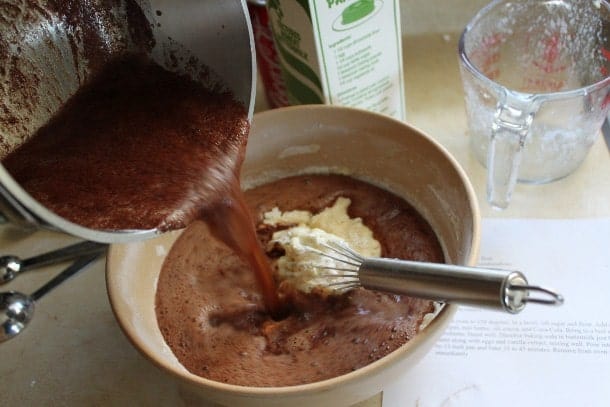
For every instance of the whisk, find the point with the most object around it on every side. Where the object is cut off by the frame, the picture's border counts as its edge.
(487, 287)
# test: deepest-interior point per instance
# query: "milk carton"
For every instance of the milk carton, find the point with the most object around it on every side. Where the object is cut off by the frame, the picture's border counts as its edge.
(340, 52)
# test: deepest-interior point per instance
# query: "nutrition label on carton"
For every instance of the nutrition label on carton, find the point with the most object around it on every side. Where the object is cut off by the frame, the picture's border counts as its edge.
(359, 43)
(341, 52)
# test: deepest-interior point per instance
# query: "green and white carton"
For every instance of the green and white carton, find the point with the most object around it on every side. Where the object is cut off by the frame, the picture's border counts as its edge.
(341, 52)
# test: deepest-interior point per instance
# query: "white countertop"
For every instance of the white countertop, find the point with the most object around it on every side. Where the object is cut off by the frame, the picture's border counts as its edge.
(74, 353)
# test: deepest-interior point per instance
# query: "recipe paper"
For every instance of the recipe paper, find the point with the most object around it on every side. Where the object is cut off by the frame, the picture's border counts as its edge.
(544, 356)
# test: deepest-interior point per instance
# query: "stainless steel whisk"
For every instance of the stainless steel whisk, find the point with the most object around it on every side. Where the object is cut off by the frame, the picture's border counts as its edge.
(487, 287)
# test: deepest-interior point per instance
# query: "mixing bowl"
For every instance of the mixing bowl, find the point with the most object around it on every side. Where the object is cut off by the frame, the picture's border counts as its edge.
(296, 140)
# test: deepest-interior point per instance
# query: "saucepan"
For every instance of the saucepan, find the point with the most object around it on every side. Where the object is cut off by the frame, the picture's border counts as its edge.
(50, 50)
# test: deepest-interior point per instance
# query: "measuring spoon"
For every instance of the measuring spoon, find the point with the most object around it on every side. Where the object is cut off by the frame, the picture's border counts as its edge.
(17, 309)
(11, 266)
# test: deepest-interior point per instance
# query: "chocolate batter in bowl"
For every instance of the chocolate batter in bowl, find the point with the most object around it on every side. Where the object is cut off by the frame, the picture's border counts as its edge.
(315, 139)
(52, 49)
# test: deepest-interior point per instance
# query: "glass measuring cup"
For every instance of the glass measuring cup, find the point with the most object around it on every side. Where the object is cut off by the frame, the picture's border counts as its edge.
(535, 76)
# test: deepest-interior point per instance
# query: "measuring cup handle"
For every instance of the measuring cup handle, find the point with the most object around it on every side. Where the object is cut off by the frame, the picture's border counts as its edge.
(512, 122)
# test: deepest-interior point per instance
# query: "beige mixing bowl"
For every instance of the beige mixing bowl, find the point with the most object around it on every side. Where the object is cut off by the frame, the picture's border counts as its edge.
(317, 138)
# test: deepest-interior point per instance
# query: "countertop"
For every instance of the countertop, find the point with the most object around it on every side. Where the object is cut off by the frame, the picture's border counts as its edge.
(74, 353)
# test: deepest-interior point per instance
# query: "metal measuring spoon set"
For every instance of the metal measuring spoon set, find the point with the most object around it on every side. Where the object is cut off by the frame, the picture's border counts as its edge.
(17, 309)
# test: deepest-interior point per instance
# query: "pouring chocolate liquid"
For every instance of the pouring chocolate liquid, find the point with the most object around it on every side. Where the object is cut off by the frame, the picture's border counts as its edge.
(143, 136)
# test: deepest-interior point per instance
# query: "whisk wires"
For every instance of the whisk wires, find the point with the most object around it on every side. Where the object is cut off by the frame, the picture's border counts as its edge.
(343, 276)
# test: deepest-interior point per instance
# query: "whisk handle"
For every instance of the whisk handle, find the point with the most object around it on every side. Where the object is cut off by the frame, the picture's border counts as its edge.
(500, 289)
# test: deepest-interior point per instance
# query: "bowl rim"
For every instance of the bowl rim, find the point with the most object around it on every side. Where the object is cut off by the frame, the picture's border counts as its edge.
(443, 316)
